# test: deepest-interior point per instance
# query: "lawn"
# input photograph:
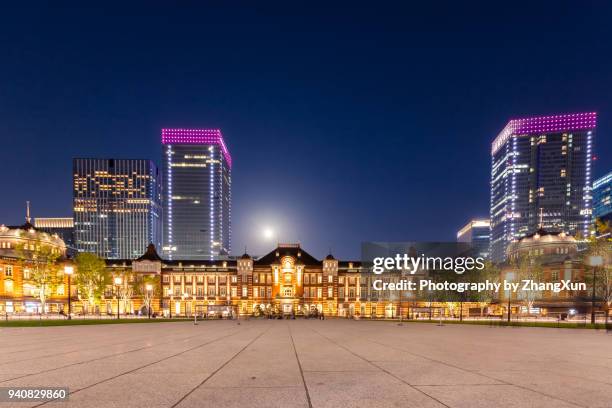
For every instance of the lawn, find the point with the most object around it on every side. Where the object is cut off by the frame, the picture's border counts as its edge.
(79, 322)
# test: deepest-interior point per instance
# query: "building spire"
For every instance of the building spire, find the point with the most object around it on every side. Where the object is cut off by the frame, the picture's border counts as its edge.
(28, 219)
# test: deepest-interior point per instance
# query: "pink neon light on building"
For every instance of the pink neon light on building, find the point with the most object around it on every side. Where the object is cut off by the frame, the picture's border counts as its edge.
(545, 124)
(196, 137)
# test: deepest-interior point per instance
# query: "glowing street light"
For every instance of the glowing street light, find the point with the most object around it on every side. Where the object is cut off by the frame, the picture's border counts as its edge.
(149, 288)
(118, 284)
(594, 261)
(69, 270)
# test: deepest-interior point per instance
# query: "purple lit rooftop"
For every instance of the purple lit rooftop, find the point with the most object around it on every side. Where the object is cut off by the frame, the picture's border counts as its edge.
(545, 124)
(196, 137)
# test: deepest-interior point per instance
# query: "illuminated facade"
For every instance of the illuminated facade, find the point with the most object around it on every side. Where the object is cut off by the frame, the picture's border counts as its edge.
(556, 257)
(197, 194)
(63, 227)
(476, 232)
(286, 281)
(541, 176)
(19, 287)
(117, 206)
(602, 198)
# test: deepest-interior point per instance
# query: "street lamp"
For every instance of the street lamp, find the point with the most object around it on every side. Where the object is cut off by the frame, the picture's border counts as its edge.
(149, 288)
(69, 270)
(117, 284)
(594, 262)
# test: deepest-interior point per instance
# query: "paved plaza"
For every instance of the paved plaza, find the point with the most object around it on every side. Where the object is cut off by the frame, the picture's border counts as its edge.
(303, 363)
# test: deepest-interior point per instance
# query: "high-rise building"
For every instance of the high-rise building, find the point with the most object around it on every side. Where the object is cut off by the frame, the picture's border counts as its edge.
(541, 178)
(477, 233)
(602, 198)
(116, 204)
(63, 227)
(197, 169)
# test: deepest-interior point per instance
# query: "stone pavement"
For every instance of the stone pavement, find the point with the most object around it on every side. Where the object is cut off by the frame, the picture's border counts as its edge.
(310, 363)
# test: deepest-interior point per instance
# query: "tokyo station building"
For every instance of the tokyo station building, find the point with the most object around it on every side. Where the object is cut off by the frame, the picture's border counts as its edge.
(18, 291)
(287, 280)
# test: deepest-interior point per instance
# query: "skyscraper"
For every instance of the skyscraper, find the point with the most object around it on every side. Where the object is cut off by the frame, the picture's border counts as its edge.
(541, 178)
(197, 169)
(602, 198)
(116, 205)
(477, 233)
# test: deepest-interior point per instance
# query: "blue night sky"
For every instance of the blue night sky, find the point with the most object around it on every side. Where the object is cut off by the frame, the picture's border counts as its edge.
(347, 122)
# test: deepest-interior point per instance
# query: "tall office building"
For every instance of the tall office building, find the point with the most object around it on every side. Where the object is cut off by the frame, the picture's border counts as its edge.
(602, 198)
(117, 206)
(477, 233)
(541, 178)
(197, 169)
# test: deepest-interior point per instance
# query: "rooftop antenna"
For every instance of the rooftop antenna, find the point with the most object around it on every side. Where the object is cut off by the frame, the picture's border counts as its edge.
(28, 212)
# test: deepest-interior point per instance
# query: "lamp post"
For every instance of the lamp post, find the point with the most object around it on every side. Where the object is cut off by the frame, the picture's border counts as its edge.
(594, 261)
(149, 288)
(118, 284)
(69, 270)
(509, 305)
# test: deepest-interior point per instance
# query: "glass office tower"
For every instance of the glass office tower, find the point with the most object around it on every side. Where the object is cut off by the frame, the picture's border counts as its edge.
(116, 206)
(197, 195)
(541, 178)
(477, 233)
(602, 198)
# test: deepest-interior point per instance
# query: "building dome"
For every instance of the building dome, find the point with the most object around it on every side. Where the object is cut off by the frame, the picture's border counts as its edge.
(543, 242)
(28, 237)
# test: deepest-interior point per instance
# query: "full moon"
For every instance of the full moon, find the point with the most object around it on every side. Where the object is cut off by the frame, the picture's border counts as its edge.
(268, 233)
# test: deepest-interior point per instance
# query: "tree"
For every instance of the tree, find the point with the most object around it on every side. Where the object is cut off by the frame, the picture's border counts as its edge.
(126, 289)
(530, 268)
(491, 273)
(45, 272)
(91, 278)
(601, 246)
(140, 284)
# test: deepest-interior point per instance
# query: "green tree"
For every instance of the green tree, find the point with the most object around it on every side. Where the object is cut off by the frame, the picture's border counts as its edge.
(491, 273)
(601, 246)
(126, 289)
(44, 271)
(140, 283)
(91, 278)
(529, 268)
